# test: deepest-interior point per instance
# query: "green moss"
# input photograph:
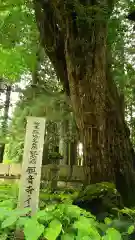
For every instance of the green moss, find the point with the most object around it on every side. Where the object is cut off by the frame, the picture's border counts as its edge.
(99, 198)
(99, 190)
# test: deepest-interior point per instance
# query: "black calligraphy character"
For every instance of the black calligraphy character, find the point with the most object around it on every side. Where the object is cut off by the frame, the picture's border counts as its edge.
(30, 179)
(29, 189)
(35, 133)
(33, 155)
(36, 125)
(28, 201)
(31, 170)
(34, 144)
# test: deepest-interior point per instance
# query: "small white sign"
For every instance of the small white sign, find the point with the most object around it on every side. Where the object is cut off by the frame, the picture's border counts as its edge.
(31, 165)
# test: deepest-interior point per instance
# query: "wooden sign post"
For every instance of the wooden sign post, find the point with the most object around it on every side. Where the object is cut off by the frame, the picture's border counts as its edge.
(31, 166)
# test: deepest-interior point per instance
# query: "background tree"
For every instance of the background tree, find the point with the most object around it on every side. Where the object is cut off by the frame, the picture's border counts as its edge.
(43, 99)
(4, 122)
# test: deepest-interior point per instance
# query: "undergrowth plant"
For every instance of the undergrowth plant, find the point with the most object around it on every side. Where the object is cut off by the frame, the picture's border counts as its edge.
(8, 191)
(58, 221)
(60, 196)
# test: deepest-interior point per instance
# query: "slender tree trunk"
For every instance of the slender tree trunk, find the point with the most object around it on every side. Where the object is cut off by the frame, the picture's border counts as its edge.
(73, 134)
(131, 121)
(45, 160)
(73, 153)
(63, 143)
(5, 121)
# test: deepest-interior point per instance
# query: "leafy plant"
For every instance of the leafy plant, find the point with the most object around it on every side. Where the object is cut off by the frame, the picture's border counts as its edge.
(49, 197)
(9, 192)
(57, 221)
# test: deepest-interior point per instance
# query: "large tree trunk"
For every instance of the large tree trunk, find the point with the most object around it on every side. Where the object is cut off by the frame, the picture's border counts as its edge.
(120, 151)
(78, 49)
(87, 81)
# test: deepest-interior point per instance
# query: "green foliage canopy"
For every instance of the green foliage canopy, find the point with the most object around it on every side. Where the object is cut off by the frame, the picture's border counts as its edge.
(18, 39)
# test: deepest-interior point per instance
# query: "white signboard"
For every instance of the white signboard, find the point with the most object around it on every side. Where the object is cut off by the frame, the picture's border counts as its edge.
(32, 162)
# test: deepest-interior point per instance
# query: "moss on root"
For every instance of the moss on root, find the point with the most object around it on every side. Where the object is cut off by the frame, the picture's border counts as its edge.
(99, 199)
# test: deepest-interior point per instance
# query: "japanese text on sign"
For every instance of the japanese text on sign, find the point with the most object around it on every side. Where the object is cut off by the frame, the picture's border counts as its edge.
(32, 160)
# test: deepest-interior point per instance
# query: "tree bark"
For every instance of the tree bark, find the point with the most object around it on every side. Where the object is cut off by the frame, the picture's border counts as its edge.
(5, 121)
(45, 160)
(119, 148)
(94, 96)
(87, 82)
(73, 153)
(63, 143)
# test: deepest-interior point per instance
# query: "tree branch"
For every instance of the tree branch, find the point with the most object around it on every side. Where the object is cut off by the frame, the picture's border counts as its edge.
(52, 39)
